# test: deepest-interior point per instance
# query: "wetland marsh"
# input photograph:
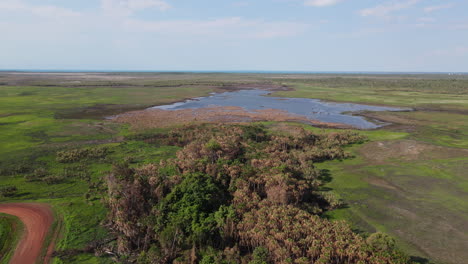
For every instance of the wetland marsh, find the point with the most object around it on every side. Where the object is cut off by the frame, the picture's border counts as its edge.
(312, 109)
(407, 179)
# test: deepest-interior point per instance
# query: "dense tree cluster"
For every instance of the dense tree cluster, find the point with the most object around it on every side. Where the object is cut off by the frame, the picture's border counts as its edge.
(236, 194)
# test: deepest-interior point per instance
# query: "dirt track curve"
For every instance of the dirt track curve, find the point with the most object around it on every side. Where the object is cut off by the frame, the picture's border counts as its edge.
(37, 219)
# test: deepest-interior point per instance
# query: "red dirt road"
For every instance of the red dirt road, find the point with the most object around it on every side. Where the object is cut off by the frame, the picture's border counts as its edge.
(37, 219)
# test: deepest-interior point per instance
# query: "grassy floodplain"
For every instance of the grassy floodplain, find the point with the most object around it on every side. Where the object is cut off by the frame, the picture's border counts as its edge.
(408, 180)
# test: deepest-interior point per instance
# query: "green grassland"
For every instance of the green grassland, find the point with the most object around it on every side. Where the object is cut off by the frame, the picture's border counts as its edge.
(420, 197)
(422, 200)
(410, 179)
(31, 116)
(435, 94)
(39, 120)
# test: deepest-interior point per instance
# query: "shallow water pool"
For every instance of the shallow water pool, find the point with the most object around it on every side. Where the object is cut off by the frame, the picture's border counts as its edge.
(342, 113)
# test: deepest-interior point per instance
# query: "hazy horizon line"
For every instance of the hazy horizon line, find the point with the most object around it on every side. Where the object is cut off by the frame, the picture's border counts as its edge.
(226, 71)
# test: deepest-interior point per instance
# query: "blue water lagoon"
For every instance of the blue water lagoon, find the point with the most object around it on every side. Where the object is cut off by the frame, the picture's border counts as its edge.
(314, 109)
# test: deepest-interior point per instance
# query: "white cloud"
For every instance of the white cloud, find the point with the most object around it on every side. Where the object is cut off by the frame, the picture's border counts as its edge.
(224, 27)
(240, 4)
(462, 51)
(321, 3)
(182, 26)
(460, 27)
(47, 11)
(430, 9)
(423, 22)
(129, 7)
(455, 52)
(426, 19)
(384, 10)
(116, 19)
(11, 5)
(364, 32)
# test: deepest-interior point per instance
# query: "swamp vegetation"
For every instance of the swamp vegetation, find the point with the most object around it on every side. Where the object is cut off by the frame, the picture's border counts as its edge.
(234, 191)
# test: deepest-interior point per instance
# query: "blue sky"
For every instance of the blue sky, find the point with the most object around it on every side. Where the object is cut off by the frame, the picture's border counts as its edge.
(229, 35)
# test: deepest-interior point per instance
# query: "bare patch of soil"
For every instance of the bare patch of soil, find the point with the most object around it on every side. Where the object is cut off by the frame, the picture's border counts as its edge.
(287, 128)
(37, 220)
(379, 182)
(389, 117)
(153, 118)
(395, 122)
(404, 213)
(407, 150)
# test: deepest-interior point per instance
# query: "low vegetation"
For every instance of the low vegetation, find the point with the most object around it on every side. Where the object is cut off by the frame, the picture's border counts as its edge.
(8, 191)
(424, 92)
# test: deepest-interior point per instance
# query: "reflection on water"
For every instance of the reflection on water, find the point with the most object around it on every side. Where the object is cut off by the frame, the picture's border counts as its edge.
(310, 108)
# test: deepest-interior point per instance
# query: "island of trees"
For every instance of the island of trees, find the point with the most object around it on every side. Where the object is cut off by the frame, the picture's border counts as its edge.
(237, 194)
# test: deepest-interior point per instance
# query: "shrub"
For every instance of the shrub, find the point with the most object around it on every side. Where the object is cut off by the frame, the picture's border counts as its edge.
(37, 175)
(17, 168)
(207, 259)
(129, 160)
(213, 145)
(74, 155)
(332, 200)
(8, 191)
(381, 242)
(259, 256)
(76, 173)
(53, 179)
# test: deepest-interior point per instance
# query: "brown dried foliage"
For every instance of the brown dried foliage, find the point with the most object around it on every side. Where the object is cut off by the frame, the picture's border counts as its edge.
(157, 118)
(273, 200)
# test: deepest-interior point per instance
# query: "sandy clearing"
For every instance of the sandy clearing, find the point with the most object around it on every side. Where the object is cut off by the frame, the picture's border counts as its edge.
(37, 219)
